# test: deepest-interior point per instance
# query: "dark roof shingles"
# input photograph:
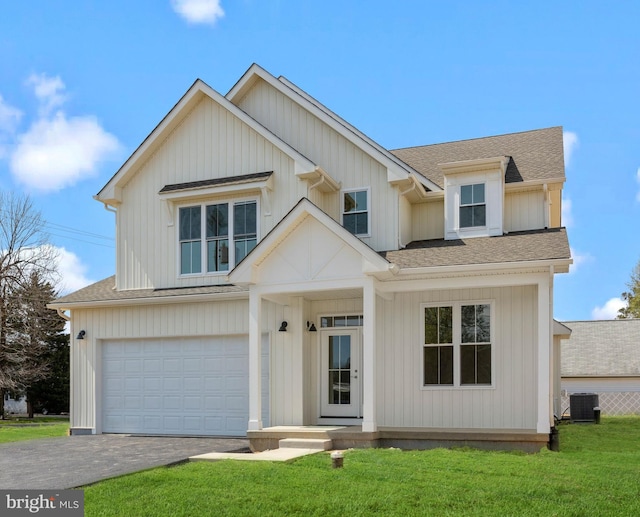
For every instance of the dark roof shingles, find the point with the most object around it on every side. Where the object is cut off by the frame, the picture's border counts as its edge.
(535, 155)
(514, 247)
(104, 291)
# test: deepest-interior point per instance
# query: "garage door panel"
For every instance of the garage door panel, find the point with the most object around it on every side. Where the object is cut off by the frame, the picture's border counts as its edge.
(183, 386)
(152, 366)
(172, 384)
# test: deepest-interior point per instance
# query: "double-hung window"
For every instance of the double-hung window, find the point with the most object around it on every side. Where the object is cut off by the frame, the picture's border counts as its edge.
(216, 235)
(355, 211)
(473, 209)
(457, 345)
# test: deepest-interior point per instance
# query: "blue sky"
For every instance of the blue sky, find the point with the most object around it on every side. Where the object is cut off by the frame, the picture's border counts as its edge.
(82, 83)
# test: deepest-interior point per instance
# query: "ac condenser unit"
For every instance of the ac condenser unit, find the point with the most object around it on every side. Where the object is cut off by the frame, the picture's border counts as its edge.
(582, 406)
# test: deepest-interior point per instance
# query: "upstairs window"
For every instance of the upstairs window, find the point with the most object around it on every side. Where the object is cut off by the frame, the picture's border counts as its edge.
(473, 209)
(209, 236)
(355, 211)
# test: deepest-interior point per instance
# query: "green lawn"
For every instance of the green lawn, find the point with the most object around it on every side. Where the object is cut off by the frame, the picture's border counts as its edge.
(597, 472)
(16, 429)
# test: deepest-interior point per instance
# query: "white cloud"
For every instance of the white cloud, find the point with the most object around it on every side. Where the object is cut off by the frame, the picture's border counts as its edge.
(198, 11)
(9, 120)
(578, 259)
(609, 311)
(570, 143)
(638, 180)
(567, 214)
(57, 150)
(72, 271)
(9, 117)
(48, 90)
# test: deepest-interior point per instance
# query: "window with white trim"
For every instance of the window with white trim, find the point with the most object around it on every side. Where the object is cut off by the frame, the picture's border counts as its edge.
(473, 209)
(457, 348)
(355, 211)
(216, 235)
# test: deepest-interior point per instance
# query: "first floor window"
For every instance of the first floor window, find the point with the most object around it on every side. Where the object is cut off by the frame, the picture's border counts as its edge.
(457, 345)
(355, 211)
(217, 235)
(473, 209)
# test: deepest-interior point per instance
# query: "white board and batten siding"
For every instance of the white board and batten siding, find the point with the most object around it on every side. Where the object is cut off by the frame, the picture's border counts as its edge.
(511, 403)
(209, 143)
(344, 161)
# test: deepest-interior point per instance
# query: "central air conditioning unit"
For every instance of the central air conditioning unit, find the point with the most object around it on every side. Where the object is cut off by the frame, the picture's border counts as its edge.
(582, 407)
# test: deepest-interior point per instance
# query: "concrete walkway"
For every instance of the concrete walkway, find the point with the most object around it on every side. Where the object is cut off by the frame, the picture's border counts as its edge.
(73, 461)
(272, 455)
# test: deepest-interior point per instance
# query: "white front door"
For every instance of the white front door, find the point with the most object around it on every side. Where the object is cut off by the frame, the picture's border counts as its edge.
(340, 373)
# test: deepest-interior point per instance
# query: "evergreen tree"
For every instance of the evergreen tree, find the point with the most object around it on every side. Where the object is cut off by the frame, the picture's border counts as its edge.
(632, 296)
(36, 335)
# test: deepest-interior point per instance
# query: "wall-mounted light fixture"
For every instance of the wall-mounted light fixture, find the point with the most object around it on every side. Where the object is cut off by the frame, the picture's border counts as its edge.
(81, 334)
(311, 327)
(283, 326)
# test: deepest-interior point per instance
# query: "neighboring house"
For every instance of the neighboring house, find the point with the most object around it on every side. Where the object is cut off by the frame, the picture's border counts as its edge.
(15, 406)
(276, 268)
(603, 357)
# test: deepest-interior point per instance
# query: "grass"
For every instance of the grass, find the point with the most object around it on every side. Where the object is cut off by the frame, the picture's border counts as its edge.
(20, 429)
(596, 473)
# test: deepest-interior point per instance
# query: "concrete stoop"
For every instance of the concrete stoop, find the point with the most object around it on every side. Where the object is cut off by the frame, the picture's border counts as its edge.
(306, 443)
(289, 449)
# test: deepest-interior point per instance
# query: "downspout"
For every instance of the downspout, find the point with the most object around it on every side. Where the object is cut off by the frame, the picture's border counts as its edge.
(403, 193)
(547, 205)
(62, 314)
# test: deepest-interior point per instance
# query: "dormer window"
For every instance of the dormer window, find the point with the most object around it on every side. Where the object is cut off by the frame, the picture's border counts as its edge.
(355, 211)
(218, 235)
(474, 197)
(473, 210)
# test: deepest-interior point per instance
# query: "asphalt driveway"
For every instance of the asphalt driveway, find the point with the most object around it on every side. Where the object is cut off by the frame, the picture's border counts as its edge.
(73, 461)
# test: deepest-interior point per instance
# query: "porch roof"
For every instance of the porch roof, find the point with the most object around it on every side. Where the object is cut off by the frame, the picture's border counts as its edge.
(534, 245)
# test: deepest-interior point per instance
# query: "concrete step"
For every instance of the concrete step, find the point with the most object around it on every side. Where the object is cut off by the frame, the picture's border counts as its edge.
(306, 443)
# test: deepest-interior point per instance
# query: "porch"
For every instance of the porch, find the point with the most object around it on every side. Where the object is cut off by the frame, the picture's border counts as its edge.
(351, 437)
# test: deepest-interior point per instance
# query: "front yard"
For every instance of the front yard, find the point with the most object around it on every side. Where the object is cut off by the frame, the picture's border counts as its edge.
(19, 429)
(597, 472)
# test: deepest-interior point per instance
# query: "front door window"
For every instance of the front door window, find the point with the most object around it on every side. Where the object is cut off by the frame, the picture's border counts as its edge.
(341, 373)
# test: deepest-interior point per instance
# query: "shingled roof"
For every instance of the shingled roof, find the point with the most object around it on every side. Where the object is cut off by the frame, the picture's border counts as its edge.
(104, 291)
(531, 245)
(535, 155)
(609, 348)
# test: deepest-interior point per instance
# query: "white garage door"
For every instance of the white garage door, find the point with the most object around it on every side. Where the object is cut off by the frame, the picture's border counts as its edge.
(179, 386)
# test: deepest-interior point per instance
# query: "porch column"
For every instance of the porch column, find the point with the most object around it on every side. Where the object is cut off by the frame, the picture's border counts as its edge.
(255, 325)
(369, 423)
(544, 352)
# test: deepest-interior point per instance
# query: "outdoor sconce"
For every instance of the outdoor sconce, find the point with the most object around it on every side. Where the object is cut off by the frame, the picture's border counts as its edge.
(283, 326)
(311, 327)
(81, 334)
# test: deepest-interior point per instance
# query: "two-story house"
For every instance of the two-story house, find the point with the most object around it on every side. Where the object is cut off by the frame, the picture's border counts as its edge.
(277, 269)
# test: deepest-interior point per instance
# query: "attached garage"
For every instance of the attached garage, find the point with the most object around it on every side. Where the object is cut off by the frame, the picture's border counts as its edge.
(179, 386)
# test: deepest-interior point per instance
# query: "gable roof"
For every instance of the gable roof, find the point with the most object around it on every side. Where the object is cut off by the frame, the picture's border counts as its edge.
(243, 273)
(110, 192)
(516, 247)
(609, 348)
(536, 155)
(398, 170)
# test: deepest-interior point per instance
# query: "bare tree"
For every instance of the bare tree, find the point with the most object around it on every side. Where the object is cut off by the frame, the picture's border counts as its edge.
(24, 250)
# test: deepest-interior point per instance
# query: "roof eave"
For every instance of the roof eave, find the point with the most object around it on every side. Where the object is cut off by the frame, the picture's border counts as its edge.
(557, 265)
(149, 300)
